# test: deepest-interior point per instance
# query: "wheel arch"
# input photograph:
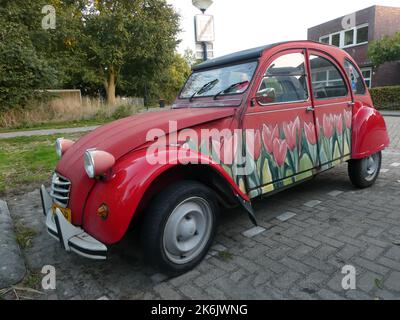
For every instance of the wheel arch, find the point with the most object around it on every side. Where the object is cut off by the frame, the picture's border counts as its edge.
(202, 173)
(369, 132)
(136, 182)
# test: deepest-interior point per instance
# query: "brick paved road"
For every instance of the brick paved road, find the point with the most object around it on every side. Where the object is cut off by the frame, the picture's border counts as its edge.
(311, 232)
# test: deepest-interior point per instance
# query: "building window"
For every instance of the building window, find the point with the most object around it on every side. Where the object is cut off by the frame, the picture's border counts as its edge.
(335, 40)
(324, 40)
(362, 34)
(347, 38)
(367, 74)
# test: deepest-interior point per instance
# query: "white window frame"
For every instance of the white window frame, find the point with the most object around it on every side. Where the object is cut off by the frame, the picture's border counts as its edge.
(342, 36)
(370, 76)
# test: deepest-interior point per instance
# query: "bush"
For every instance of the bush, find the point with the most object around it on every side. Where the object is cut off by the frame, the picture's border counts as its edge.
(123, 111)
(386, 98)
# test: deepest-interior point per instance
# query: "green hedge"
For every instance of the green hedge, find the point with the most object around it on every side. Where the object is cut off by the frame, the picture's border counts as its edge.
(386, 98)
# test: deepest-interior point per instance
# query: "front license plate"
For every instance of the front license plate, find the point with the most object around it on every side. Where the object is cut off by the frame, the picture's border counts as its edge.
(65, 211)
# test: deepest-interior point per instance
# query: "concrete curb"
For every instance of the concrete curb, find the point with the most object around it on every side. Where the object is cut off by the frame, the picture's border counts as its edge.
(12, 265)
(390, 113)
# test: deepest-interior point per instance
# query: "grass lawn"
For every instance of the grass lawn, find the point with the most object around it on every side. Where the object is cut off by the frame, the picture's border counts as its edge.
(26, 162)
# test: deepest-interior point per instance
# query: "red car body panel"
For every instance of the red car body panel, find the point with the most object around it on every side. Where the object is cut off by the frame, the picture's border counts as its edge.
(126, 140)
(119, 138)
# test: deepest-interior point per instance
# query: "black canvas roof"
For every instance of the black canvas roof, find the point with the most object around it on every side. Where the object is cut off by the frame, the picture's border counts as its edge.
(249, 54)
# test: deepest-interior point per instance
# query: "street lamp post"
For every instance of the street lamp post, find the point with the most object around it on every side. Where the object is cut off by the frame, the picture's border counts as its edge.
(203, 5)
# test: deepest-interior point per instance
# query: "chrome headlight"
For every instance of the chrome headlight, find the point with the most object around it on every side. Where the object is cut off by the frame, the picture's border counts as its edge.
(97, 162)
(89, 163)
(62, 145)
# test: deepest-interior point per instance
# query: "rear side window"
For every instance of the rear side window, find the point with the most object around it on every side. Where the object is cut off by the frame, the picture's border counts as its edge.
(327, 81)
(356, 80)
(284, 81)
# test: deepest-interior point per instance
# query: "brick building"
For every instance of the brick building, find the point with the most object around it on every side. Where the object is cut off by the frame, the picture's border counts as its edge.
(355, 32)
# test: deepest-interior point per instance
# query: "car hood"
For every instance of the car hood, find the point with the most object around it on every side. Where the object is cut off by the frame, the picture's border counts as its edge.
(125, 135)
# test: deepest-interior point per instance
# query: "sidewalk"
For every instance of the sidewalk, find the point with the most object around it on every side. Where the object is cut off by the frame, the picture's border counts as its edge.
(45, 132)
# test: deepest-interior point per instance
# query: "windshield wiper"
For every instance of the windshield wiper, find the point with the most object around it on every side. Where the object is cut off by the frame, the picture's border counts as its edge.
(229, 88)
(204, 88)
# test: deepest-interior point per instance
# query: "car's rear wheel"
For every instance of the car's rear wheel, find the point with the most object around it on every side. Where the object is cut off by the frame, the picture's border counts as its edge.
(364, 172)
(179, 227)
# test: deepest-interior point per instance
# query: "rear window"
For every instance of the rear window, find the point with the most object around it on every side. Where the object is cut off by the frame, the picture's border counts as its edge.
(327, 81)
(356, 80)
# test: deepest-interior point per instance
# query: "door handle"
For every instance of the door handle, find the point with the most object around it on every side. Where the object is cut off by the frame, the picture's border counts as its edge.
(310, 109)
(351, 104)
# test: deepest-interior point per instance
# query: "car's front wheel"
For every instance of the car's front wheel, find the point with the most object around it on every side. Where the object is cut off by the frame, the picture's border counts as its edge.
(364, 172)
(179, 227)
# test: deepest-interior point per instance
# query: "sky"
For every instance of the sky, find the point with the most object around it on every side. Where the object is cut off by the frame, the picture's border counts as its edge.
(241, 25)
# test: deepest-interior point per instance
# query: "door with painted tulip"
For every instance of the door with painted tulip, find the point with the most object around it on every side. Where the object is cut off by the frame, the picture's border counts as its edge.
(281, 126)
(332, 101)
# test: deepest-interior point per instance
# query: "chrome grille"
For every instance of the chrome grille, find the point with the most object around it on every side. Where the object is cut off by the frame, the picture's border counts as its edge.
(60, 188)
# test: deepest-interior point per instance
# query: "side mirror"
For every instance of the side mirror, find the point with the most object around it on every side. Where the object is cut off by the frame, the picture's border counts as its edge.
(266, 96)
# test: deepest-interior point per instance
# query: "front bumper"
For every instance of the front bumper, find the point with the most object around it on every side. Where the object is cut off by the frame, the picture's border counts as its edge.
(70, 237)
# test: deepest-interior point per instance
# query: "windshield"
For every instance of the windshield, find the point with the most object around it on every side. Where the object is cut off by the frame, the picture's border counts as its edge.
(226, 76)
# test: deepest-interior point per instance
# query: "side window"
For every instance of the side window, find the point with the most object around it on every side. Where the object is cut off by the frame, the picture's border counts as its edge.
(327, 81)
(357, 83)
(284, 81)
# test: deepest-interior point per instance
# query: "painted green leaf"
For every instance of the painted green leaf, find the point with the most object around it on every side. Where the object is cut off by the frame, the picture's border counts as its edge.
(266, 173)
(192, 145)
(204, 148)
(305, 163)
(336, 153)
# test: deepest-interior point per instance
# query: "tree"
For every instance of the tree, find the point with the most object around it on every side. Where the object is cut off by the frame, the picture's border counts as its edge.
(22, 70)
(129, 37)
(385, 50)
(123, 46)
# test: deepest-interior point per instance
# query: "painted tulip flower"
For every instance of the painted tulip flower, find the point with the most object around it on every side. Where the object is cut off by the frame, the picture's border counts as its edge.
(253, 142)
(291, 131)
(348, 118)
(327, 125)
(280, 151)
(338, 119)
(309, 130)
(268, 136)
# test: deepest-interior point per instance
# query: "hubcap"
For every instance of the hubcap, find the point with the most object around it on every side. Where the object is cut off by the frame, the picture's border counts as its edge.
(187, 230)
(372, 164)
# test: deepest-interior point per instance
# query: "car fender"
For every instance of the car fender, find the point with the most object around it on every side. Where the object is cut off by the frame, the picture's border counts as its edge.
(132, 176)
(369, 132)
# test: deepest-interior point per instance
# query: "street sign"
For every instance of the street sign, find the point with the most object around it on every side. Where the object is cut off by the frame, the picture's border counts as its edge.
(204, 25)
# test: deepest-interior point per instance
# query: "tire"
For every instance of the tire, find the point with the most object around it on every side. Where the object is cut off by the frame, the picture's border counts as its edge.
(184, 215)
(364, 172)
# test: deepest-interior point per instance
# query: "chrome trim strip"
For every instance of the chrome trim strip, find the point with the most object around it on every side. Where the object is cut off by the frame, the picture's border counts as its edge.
(279, 110)
(52, 194)
(332, 104)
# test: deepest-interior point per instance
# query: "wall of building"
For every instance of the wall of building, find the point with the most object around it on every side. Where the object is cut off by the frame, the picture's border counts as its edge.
(383, 21)
(387, 23)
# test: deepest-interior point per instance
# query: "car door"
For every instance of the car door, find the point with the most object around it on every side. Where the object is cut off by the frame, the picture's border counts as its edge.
(332, 101)
(280, 126)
